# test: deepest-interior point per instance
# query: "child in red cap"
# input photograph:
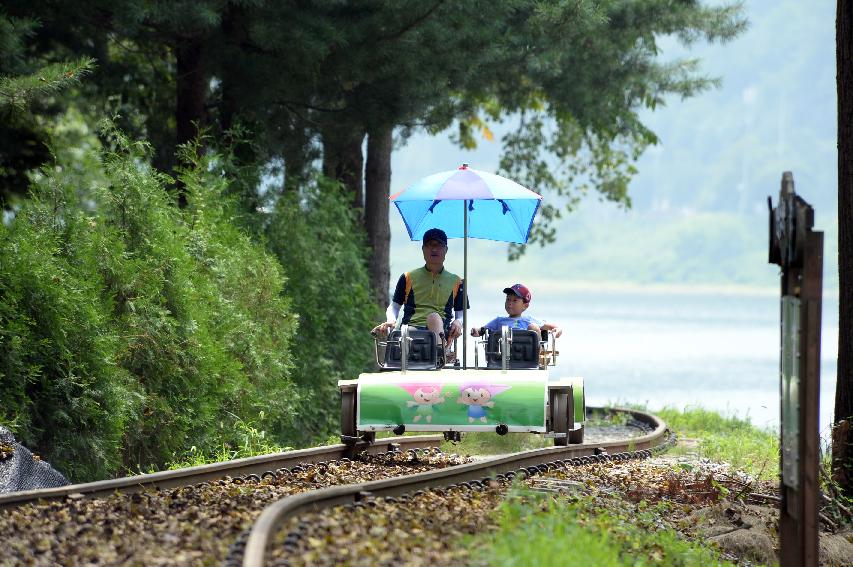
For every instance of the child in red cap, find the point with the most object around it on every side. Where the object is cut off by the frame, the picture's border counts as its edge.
(517, 301)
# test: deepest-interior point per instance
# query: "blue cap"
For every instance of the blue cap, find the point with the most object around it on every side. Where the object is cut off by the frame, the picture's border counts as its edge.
(435, 234)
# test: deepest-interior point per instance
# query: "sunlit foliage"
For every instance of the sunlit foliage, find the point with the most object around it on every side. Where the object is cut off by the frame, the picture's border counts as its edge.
(132, 330)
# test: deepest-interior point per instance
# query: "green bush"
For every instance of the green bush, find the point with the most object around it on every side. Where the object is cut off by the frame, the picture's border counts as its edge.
(61, 389)
(131, 330)
(315, 235)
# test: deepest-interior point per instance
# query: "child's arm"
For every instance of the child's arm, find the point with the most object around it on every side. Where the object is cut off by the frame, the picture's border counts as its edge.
(480, 331)
(552, 327)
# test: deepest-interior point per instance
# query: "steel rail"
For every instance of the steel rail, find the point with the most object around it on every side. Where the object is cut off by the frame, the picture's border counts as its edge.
(274, 516)
(214, 471)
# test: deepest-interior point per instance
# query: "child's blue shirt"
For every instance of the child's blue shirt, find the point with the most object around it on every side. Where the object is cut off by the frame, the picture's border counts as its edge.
(521, 322)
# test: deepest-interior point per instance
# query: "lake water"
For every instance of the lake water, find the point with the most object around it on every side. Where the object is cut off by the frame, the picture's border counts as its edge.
(674, 347)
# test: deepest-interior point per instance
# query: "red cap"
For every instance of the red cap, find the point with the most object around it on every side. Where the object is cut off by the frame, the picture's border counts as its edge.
(521, 291)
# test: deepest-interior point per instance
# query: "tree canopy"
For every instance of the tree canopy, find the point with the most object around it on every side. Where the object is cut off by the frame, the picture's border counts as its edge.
(312, 78)
(250, 140)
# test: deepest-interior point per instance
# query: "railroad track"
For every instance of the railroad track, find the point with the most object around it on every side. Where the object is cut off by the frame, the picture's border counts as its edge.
(206, 473)
(259, 542)
(210, 513)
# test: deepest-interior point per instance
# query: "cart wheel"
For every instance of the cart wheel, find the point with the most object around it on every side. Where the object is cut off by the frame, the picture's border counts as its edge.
(576, 436)
(560, 416)
(348, 427)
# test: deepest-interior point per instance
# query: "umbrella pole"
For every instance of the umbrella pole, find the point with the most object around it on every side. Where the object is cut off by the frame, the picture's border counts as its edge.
(465, 288)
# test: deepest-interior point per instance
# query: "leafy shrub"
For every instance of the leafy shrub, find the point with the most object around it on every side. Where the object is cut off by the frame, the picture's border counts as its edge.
(135, 330)
(315, 235)
(61, 389)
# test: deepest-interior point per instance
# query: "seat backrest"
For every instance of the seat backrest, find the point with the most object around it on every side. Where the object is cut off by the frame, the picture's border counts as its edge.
(523, 352)
(423, 354)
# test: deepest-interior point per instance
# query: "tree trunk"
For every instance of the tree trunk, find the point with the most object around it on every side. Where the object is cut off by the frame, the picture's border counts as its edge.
(376, 206)
(234, 35)
(842, 448)
(189, 106)
(343, 160)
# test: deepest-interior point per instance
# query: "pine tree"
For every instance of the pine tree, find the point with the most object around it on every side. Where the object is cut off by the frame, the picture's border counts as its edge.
(26, 88)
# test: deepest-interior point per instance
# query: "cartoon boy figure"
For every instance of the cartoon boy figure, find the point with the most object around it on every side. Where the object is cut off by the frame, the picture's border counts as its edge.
(478, 397)
(425, 396)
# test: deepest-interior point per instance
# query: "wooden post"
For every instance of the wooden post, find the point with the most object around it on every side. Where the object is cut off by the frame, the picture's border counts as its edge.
(799, 251)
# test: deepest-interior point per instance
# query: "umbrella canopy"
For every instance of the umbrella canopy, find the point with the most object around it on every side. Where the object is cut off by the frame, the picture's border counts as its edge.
(467, 202)
(498, 208)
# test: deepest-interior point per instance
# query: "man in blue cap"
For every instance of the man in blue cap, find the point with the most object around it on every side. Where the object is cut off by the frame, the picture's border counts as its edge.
(430, 297)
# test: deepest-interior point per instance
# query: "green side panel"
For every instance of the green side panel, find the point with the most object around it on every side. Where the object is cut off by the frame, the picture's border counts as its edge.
(453, 403)
(580, 401)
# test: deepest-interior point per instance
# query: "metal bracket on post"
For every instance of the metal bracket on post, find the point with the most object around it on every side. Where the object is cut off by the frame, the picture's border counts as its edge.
(404, 348)
(506, 343)
(552, 340)
(799, 251)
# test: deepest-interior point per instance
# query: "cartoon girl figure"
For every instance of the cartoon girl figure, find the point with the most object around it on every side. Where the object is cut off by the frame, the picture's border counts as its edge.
(425, 396)
(478, 397)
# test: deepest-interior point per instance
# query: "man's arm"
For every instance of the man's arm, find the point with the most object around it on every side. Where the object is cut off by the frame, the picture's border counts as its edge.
(458, 311)
(455, 326)
(392, 313)
(490, 326)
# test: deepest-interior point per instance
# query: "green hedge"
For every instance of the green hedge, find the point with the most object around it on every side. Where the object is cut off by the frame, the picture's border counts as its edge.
(312, 231)
(131, 330)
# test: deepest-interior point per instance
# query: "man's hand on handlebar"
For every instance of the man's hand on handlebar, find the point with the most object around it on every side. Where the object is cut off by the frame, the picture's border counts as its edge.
(454, 331)
(383, 328)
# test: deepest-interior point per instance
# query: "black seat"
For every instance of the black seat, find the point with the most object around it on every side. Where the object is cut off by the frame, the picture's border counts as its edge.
(423, 353)
(523, 351)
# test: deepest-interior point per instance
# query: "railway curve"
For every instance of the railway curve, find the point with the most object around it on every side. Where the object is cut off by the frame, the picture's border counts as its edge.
(208, 513)
(259, 540)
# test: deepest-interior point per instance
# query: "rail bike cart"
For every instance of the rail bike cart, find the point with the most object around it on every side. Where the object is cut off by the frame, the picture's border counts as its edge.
(417, 390)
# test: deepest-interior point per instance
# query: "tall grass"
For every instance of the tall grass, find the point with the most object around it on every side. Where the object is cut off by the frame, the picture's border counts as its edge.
(729, 439)
(537, 529)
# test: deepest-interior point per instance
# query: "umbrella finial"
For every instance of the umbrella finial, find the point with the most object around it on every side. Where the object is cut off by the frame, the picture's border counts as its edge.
(464, 166)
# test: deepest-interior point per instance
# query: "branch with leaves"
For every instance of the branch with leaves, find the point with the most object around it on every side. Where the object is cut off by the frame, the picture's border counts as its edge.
(18, 92)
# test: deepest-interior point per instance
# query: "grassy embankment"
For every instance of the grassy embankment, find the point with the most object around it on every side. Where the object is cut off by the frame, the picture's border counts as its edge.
(589, 530)
(535, 529)
(253, 441)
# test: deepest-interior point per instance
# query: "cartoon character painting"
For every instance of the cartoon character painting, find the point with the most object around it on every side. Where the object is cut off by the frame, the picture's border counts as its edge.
(477, 397)
(425, 396)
